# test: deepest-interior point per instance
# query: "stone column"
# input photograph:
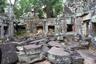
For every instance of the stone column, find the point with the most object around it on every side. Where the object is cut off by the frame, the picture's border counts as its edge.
(90, 27)
(43, 26)
(28, 26)
(78, 25)
(46, 28)
(57, 29)
(63, 23)
(11, 29)
(2, 31)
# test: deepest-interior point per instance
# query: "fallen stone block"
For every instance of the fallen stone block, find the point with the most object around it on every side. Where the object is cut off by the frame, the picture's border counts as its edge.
(8, 53)
(37, 41)
(77, 58)
(84, 45)
(54, 43)
(59, 56)
(73, 47)
(43, 62)
(32, 54)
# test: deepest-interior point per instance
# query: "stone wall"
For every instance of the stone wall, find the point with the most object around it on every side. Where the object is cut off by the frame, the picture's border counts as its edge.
(46, 24)
(6, 27)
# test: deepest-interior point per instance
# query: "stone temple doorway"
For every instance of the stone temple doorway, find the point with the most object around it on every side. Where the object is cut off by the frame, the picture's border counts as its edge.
(51, 28)
(39, 29)
(5, 30)
(69, 27)
(94, 28)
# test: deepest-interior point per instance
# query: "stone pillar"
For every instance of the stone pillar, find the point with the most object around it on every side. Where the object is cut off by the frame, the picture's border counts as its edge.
(43, 26)
(11, 29)
(28, 26)
(34, 27)
(57, 29)
(90, 28)
(64, 27)
(78, 25)
(46, 28)
(2, 31)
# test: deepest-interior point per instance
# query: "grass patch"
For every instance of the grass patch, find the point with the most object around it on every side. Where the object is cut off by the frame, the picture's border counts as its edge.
(20, 33)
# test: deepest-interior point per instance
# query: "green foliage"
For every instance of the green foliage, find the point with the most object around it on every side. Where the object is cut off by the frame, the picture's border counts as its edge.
(20, 33)
(2, 5)
(23, 6)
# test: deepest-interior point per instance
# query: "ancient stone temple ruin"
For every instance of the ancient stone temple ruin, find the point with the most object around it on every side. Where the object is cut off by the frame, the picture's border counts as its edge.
(82, 11)
(5, 30)
(50, 26)
(68, 21)
(45, 25)
(60, 40)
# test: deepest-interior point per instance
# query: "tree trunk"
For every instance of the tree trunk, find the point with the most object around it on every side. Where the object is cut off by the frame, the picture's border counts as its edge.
(48, 10)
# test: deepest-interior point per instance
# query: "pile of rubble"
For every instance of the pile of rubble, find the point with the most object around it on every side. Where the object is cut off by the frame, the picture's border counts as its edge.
(45, 51)
(51, 50)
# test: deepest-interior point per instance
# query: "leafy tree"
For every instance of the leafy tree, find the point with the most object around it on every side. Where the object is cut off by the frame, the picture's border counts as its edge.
(2, 5)
(49, 7)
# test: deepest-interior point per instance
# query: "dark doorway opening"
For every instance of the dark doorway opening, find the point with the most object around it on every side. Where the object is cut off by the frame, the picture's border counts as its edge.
(51, 28)
(94, 28)
(19, 28)
(39, 28)
(69, 28)
(5, 30)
